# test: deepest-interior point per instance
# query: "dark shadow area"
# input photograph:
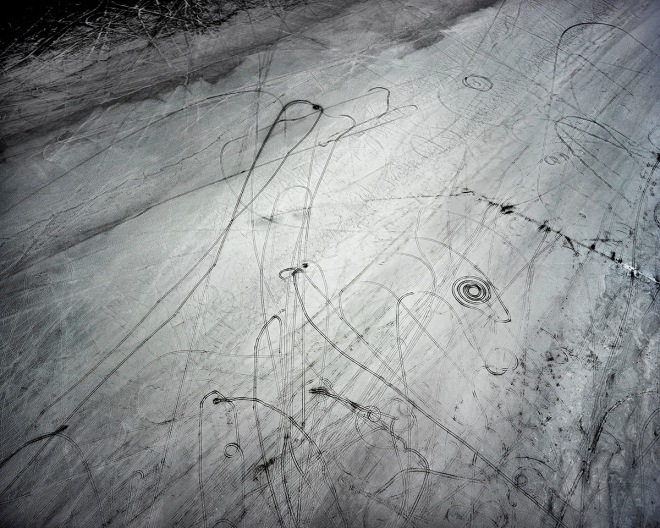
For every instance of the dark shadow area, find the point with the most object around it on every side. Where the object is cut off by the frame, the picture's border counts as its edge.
(37, 26)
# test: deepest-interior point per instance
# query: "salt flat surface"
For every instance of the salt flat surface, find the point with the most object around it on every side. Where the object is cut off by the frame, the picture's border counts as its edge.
(356, 264)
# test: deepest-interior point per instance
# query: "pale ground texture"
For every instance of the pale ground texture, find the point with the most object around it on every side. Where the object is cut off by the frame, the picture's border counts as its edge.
(347, 264)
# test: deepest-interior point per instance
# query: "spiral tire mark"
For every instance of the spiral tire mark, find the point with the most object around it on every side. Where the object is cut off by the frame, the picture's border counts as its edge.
(471, 291)
(478, 82)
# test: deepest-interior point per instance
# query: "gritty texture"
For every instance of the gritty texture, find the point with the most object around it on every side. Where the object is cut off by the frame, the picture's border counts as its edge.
(347, 264)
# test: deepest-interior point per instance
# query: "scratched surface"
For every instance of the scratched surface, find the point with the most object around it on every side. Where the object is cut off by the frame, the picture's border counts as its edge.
(360, 264)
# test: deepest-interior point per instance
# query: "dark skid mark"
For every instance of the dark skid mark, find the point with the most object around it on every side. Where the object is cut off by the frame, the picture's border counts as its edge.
(478, 82)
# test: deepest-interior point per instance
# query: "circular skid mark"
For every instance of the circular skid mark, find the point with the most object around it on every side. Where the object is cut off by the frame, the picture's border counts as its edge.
(521, 479)
(373, 414)
(500, 361)
(529, 477)
(555, 159)
(370, 429)
(232, 449)
(471, 291)
(478, 82)
(477, 99)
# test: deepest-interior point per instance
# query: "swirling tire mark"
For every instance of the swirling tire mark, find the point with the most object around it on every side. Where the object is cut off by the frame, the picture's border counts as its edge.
(471, 291)
(478, 82)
